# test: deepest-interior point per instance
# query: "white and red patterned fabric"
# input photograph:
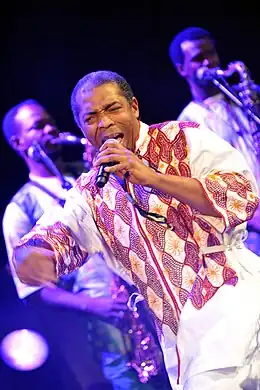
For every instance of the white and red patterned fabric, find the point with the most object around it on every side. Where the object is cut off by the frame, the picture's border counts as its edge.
(181, 259)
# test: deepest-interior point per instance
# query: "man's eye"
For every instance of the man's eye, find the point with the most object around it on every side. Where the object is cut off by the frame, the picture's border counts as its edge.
(114, 108)
(39, 126)
(89, 119)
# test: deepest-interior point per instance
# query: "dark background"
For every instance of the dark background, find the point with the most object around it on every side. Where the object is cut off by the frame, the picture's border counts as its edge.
(47, 48)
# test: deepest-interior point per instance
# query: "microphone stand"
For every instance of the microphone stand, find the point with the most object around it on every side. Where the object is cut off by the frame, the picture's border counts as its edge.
(37, 153)
(232, 95)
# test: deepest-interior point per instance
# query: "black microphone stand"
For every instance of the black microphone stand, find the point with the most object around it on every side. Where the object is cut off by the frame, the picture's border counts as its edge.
(37, 153)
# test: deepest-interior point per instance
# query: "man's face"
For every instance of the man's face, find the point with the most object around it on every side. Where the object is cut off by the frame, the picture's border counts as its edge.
(198, 53)
(105, 113)
(36, 125)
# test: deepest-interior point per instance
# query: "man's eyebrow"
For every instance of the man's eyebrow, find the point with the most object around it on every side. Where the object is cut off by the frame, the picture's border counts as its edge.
(104, 108)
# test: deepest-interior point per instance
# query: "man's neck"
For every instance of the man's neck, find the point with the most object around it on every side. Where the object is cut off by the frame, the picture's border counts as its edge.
(199, 94)
(40, 170)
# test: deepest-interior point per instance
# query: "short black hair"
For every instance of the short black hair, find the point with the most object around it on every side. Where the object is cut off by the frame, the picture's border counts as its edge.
(189, 34)
(10, 126)
(95, 79)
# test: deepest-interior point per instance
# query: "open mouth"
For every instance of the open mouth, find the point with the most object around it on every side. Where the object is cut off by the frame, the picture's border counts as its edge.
(118, 136)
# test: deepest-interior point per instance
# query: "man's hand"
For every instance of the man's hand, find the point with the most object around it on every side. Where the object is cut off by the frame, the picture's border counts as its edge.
(35, 266)
(104, 306)
(126, 162)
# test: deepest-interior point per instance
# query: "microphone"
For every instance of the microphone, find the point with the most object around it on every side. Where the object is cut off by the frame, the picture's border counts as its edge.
(103, 176)
(205, 74)
(68, 139)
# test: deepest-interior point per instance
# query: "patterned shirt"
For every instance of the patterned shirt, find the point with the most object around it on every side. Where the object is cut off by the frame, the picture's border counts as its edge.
(180, 254)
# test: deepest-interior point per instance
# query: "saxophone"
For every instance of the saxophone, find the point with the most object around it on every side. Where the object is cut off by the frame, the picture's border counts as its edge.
(139, 340)
(248, 93)
(246, 87)
(145, 356)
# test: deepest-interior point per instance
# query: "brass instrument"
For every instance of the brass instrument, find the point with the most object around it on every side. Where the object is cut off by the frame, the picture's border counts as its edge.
(145, 356)
(245, 94)
(246, 87)
(138, 341)
(248, 93)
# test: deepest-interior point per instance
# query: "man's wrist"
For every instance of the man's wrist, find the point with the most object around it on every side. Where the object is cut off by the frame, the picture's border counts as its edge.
(153, 179)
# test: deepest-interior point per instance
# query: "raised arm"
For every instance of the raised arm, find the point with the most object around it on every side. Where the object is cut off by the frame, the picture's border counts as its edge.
(221, 185)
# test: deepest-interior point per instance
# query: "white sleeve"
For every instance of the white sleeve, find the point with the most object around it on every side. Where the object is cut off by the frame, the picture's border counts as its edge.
(224, 175)
(72, 234)
(15, 225)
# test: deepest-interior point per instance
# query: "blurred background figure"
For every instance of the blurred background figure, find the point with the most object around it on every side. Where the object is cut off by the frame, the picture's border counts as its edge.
(88, 155)
(194, 55)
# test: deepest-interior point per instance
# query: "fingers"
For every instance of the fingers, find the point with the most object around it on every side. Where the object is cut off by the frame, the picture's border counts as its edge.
(111, 143)
(37, 269)
(115, 158)
(37, 278)
(123, 167)
(111, 155)
(110, 148)
(47, 273)
(108, 151)
(48, 281)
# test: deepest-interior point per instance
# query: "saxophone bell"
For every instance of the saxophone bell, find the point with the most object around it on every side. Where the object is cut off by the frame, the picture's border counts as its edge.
(245, 93)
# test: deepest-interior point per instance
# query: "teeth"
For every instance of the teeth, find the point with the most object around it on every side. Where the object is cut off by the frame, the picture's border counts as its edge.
(117, 137)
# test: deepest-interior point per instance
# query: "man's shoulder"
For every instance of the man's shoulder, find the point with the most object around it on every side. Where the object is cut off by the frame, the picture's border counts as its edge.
(24, 198)
(24, 192)
(194, 111)
(171, 128)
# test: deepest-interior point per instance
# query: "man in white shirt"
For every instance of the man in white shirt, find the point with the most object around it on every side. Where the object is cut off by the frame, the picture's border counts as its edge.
(190, 50)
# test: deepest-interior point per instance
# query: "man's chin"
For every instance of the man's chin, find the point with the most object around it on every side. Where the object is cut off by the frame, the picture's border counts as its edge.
(205, 83)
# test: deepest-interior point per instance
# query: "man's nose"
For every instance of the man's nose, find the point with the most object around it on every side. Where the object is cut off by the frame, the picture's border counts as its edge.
(205, 62)
(104, 121)
(50, 129)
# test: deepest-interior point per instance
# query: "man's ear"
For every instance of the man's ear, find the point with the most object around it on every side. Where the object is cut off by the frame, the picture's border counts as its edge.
(17, 143)
(180, 70)
(135, 107)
